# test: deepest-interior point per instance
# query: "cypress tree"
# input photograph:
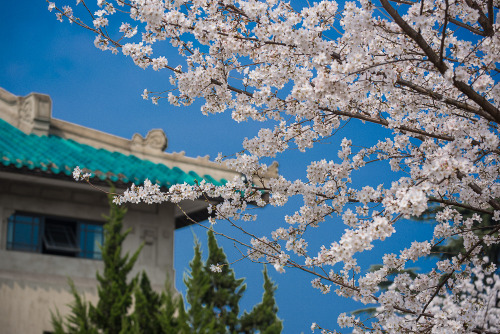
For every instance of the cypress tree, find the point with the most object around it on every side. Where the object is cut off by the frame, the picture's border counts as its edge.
(214, 297)
(263, 317)
(172, 316)
(225, 290)
(156, 313)
(110, 314)
(77, 321)
(199, 316)
(147, 308)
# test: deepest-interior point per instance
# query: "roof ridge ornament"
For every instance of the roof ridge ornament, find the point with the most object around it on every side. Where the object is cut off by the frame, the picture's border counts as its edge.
(35, 112)
(155, 140)
(30, 114)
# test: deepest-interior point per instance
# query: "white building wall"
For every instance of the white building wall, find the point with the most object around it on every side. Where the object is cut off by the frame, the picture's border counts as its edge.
(32, 284)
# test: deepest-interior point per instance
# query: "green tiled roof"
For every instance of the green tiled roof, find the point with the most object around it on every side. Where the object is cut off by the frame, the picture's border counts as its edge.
(59, 156)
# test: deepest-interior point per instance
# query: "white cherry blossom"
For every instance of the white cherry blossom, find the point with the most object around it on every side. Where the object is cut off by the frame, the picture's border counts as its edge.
(424, 70)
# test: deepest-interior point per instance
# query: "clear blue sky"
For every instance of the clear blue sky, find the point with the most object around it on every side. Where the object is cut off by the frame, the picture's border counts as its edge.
(102, 91)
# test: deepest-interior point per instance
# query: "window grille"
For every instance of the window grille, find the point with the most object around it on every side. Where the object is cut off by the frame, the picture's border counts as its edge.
(60, 237)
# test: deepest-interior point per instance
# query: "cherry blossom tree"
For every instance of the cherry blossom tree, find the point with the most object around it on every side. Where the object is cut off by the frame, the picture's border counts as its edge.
(423, 69)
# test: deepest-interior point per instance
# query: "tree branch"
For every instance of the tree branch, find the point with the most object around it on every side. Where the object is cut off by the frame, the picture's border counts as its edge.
(384, 122)
(354, 115)
(491, 13)
(482, 20)
(466, 26)
(462, 205)
(404, 2)
(443, 35)
(448, 276)
(439, 97)
(440, 65)
(477, 189)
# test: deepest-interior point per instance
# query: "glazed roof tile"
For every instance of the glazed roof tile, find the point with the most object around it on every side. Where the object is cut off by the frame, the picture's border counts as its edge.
(59, 156)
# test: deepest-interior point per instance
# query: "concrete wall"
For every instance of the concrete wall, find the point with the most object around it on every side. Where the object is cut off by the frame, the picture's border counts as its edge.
(32, 284)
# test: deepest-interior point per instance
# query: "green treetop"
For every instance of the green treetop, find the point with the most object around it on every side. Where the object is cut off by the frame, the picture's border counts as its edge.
(263, 316)
(115, 293)
(200, 316)
(225, 290)
(214, 297)
(156, 313)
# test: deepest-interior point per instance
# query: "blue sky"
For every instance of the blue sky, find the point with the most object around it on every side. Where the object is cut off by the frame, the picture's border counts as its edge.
(103, 91)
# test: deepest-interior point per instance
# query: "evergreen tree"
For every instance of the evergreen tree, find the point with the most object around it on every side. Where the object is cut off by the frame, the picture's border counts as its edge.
(115, 293)
(225, 290)
(156, 313)
(172, 316)
(263, 316)
(78, 321)
(147, 308)
(200, 317)
(214, 297)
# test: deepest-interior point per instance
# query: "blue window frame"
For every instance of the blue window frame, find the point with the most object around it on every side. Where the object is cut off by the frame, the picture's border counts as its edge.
(91, 238)
(57, 236)
(23, 233)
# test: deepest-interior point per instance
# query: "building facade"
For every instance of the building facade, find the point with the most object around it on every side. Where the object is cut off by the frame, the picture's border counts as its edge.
(51, 226)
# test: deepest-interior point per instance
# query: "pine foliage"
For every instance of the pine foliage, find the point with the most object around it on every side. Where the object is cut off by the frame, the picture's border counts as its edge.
(147, 308)
(213, 297)
(199, 317)
(115, 293)
(172, 315)
(263, 317)
(225, 291)
(78, 321)
(111, 314)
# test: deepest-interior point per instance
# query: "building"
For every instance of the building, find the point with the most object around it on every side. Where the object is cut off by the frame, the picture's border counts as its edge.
(51, 226)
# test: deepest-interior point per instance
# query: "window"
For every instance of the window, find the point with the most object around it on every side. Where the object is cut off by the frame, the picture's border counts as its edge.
(57, 236)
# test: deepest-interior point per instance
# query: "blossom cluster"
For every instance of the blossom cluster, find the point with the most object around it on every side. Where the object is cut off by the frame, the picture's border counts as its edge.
(422, 70)
(79, 175)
